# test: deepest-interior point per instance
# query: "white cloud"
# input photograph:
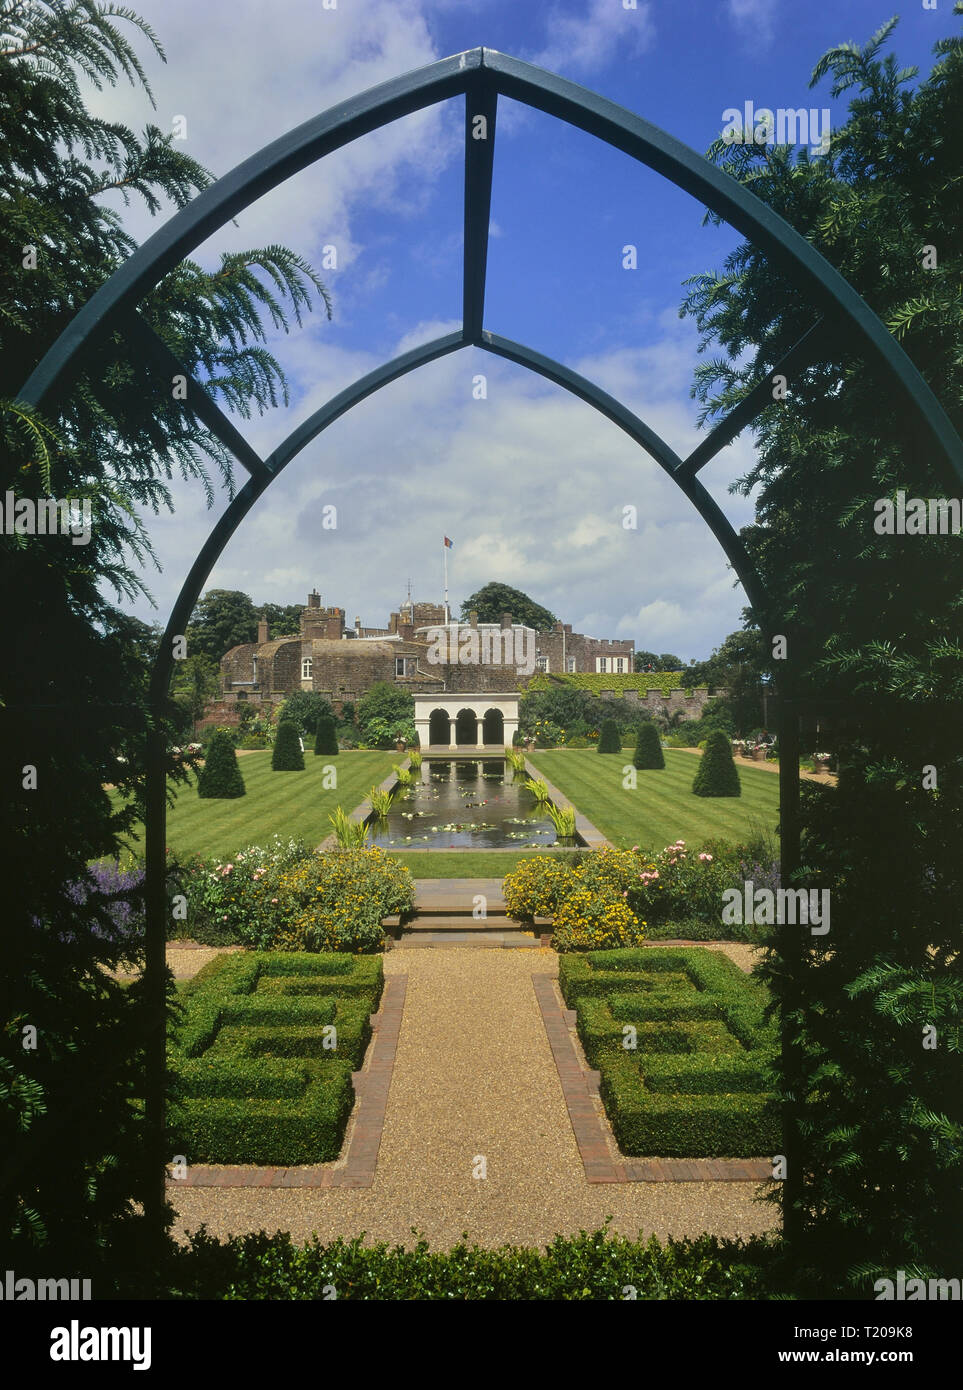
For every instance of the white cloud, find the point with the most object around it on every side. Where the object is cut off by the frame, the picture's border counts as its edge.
(756, 18)
(529, 483)
(242, 78)
(587, 41)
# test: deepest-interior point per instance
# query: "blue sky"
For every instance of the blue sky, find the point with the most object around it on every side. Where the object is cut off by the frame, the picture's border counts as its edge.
(529, 483)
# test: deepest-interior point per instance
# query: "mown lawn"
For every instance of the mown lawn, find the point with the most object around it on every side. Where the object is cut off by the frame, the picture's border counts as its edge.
(468, 864)
(662, 808)
(276, 803)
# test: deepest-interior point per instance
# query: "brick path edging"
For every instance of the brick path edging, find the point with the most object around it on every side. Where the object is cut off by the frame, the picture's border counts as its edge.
(371, 1086)
(580, 1087)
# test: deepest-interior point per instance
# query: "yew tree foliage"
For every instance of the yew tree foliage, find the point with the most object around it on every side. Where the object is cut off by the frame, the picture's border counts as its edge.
(875, 620)
(73, 682)
(287, 755)
(648, 747)
(610, 739)
(717, 774)
(220, 776)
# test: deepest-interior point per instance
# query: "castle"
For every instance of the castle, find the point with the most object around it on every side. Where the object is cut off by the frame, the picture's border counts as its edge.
(421, 650)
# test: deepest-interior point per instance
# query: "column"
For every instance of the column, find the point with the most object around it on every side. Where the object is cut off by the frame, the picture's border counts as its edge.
(451, 733)
(480, 731)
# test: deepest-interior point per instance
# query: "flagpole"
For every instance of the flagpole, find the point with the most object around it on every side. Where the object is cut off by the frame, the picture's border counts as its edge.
(445, 551)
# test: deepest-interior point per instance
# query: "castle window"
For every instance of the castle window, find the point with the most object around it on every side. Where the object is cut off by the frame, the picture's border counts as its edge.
(541, 663)
(570, 663)
(601, 663)
(620, 664)
(404, 665)
(307, 668)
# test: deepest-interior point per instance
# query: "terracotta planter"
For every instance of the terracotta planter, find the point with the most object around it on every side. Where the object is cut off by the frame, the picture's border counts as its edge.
(759, 754)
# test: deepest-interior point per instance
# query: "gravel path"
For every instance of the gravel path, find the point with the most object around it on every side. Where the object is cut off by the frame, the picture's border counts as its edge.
(474, 1077)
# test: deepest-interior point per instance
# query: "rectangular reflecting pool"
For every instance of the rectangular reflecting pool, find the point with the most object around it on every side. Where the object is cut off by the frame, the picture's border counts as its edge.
(464, 805)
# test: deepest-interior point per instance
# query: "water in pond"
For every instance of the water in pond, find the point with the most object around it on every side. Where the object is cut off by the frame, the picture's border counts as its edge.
(464, 805)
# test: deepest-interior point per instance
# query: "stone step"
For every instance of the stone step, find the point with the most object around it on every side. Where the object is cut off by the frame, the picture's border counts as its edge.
(487, 940)
(459, 907)
(458, 922)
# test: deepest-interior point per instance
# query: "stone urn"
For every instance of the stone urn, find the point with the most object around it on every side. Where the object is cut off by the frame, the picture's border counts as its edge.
(400, 745)
(759, 752)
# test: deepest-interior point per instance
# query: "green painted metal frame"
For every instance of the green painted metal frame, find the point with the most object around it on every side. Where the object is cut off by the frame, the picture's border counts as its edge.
(481, 75)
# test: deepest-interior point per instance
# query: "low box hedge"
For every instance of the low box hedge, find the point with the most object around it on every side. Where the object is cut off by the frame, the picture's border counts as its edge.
(329, 974)
(689, 1124)
(629, 969)
(682, 1041)
(257, 1008)
(351, 1020)
(308, 1129)
(698, 1072)
(257, 1079)
(263, 1079)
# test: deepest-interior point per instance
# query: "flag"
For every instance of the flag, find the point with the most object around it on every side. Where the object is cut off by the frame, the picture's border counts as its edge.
(449, 545)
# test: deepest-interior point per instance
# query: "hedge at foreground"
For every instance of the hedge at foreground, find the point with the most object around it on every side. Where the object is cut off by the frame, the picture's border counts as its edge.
(582, 1268)
(259, 1075)
(696, 1083)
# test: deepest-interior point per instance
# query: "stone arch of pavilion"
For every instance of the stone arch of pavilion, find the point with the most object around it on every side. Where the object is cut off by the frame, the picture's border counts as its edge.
(441, 721)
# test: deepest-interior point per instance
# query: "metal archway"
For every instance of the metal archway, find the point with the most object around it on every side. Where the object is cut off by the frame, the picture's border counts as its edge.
(481, 75)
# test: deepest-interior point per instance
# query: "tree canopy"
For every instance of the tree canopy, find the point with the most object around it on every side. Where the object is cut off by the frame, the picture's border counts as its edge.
(73, 684)
(649, 661)
(873, 620)
(492, 600)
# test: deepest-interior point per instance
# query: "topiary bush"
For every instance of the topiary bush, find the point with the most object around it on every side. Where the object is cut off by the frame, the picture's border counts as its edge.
(325, 737)
(648, 747)
(717, 774)
(220, 776)
(287, 755)
(610, 740)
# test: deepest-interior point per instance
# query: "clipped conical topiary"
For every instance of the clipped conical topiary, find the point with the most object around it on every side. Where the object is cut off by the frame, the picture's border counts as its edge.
(220, 776)
(648, 747)
(287, 756)
(610, 740)
(326, 738)
(717, 774)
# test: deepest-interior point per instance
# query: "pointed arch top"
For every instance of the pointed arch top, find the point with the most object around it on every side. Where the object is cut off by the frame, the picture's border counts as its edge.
(482, 75)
